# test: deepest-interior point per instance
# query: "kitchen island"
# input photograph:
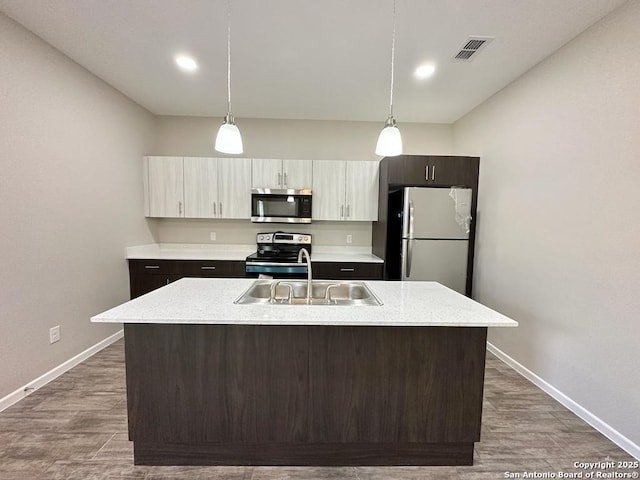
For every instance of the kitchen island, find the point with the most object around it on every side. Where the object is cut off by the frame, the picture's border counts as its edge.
(210, 382)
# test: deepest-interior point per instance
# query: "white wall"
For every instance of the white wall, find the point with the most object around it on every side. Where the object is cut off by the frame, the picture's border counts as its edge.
(290, 139)
(558, 245)
(297, 139)
(70, 201)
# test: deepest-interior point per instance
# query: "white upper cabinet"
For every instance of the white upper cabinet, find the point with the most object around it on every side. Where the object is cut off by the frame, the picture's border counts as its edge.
(234, 187)
(200, 187)
(281, 174)
(266, 173)
(345, 190)
(328, 189)
(207, 187)
(361, 192)
(297, 174)
(164, 182)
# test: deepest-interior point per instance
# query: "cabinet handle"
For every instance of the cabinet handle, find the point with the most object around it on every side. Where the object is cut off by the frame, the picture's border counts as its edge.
(150, 267)
(433, 173)
(279, 179)
(167, 282)
(426, 172)
(341, 211)
(214, 209)
(207, 268)
(179, 208)
(347, 269)
(220, 208)
(286, 180)
(348, 210)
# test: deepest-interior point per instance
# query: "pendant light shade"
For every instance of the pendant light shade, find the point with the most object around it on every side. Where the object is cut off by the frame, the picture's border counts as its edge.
(228, 139)
(390, 141)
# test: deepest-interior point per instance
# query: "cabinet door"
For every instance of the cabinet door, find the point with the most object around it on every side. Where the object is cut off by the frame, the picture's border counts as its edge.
(234, 187)
(200, 187)
(447, 171)
(328, 189)
(166, 195)
(409, 170)
(297, 174)
(361, 191)
(266, 173)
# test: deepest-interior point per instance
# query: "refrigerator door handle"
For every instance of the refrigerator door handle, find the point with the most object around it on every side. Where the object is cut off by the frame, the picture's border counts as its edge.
(410, 219)
(409, 255)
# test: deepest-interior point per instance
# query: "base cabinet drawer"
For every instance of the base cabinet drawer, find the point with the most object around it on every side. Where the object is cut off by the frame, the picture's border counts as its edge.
(347, 271)
(211, 268)
(148, 275)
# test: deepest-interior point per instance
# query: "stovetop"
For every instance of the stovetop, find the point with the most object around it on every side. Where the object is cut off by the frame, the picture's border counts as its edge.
(280, 247)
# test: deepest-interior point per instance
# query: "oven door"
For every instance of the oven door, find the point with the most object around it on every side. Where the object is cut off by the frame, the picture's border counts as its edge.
(280, 206)
(276, 269)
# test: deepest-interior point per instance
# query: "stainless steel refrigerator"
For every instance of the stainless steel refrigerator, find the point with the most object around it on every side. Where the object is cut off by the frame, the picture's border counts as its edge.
(429, 235)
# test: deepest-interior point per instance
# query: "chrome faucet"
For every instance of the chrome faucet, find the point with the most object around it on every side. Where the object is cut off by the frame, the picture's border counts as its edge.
(301, 253)
(274, 288)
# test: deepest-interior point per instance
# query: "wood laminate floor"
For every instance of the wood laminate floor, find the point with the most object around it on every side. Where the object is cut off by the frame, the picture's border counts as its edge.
(76, 428)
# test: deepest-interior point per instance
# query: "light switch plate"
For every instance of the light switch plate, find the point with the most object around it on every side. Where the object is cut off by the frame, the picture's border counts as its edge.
(54, 334)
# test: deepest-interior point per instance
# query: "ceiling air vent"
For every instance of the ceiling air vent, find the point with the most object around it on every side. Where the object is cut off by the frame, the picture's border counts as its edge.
(471, 47)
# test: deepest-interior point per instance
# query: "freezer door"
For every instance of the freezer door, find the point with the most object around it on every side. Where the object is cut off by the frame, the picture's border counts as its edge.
(443, 261)
(433, 213)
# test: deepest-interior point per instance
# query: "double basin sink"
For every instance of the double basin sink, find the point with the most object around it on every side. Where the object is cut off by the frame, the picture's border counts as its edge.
(323, 292)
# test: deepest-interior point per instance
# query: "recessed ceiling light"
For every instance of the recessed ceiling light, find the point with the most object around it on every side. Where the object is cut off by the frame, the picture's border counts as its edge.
(187, 64)
(425, 71)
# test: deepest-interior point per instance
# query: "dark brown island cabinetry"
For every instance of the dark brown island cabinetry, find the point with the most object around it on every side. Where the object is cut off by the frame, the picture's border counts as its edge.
(434, 171)
(304, 395)
(347, 270)
(147, 275)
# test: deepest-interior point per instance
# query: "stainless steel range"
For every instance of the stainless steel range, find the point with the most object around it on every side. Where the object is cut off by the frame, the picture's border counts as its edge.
(277, 255)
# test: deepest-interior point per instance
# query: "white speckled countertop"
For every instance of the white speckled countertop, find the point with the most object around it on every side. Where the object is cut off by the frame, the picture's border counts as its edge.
(210, 301)
(185, 251)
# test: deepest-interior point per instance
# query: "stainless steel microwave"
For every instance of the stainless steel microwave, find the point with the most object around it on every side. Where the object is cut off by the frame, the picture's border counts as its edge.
(280, 206)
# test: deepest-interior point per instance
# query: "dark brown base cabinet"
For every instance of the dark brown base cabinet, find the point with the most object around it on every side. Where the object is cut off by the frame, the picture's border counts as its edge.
(147, 275)
(304, 395)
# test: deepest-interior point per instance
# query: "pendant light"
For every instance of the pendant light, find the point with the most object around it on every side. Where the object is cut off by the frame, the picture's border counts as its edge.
(228, 139)
(390, 141)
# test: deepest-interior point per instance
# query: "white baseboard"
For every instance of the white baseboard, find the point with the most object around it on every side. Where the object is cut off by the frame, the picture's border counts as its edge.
(604, 428)
(42, 380)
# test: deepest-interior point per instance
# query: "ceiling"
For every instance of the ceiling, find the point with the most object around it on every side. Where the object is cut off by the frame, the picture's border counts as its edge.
(307, 59)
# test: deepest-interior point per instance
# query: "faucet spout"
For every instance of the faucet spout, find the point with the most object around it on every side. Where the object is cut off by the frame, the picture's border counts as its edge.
(302, 253)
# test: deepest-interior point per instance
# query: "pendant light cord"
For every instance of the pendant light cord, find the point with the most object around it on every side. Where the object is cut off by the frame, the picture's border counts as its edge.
(393, 54)
(229, 56)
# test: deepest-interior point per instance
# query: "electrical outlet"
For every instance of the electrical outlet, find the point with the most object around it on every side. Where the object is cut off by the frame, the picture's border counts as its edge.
(54, 334)
(349, 238)
(212, 236)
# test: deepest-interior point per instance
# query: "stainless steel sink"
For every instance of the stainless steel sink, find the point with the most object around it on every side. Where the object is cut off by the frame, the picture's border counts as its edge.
(323, 292)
